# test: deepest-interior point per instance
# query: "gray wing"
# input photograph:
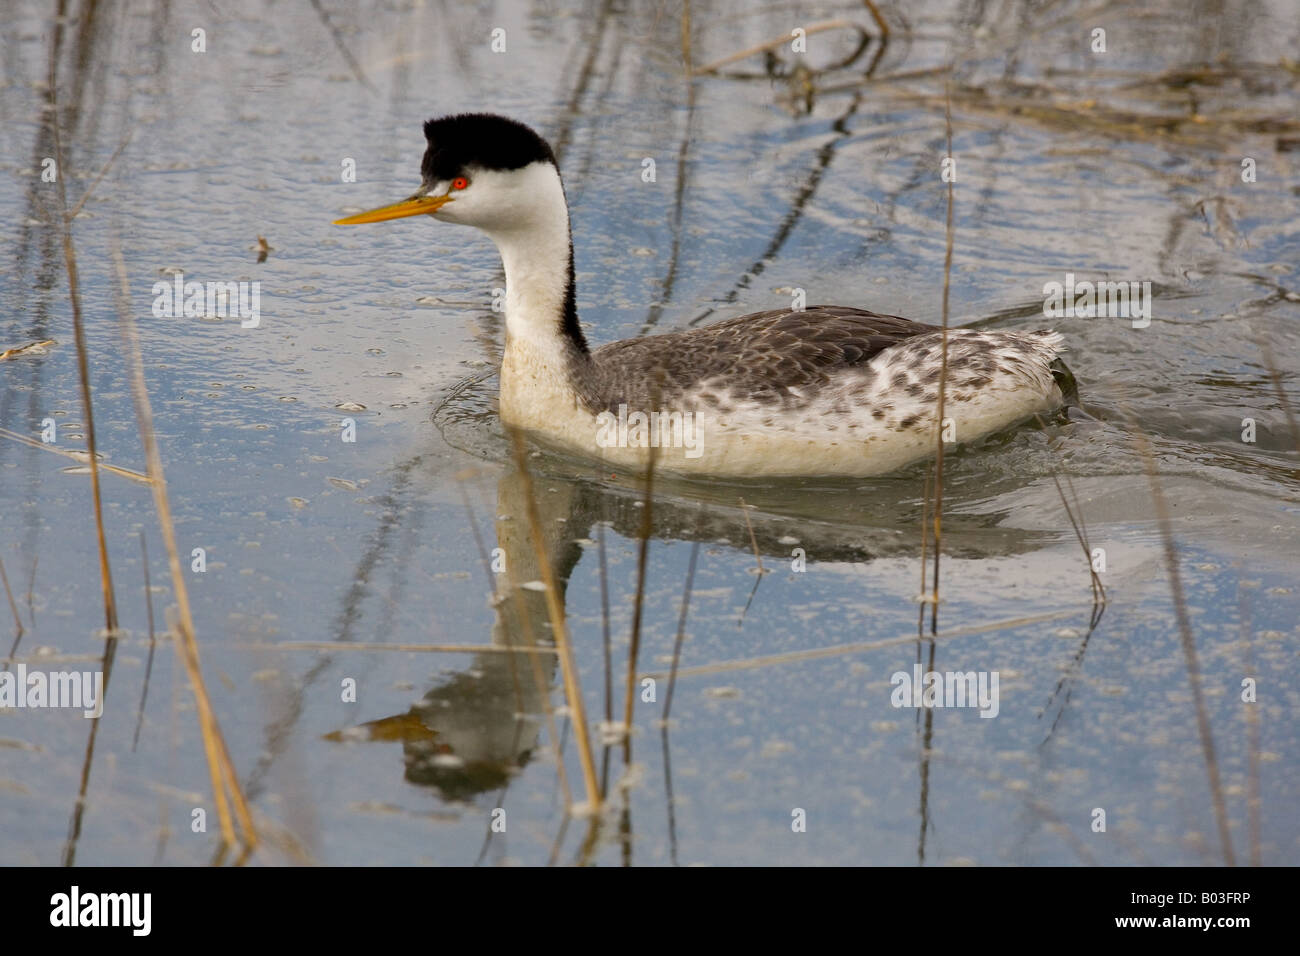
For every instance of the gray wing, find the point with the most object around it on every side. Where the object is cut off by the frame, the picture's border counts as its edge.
(760, 357)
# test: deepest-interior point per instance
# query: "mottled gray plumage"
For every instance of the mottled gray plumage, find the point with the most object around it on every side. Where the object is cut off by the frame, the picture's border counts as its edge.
(774, 357)
(784, 358)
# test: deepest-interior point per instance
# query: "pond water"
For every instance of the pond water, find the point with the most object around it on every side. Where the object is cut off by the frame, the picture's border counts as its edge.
(331, 564)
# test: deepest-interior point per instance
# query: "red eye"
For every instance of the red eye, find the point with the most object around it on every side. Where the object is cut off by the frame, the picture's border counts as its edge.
(460, 182)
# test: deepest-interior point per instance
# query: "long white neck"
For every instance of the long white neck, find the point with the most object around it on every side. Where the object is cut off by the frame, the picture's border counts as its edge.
(536, 252)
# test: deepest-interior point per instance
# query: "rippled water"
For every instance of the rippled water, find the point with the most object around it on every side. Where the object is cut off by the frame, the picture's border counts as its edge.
(818, 172)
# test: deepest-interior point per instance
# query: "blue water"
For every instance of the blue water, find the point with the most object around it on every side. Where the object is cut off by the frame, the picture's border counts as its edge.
(319, 550)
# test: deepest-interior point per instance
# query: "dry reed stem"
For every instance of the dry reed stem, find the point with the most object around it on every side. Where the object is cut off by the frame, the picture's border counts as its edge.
(1081, 534)
(13, 607)
(1253, 800)
(819, 27)
(1188, 642)
(943, 368)
(77, 456)
(153, 643)
(922, 598)
(638, 601)
(753, 541)
(83, 365)
(572, 690)
(681, 632)
(11, 354)
(880, 21)
(408, 648)
(838, 649)
(1276, 377)
(102, 173)
(220, 767)
(539, 679)
(540, 683)
(606, 652)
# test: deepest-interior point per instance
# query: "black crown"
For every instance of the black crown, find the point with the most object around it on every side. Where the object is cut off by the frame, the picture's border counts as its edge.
(479, 139)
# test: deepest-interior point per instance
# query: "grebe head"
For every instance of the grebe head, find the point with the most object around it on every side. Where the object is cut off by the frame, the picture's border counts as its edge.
(498, 175)
(485, 171)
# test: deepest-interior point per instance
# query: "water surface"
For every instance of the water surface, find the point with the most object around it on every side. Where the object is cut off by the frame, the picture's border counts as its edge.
(817, 172)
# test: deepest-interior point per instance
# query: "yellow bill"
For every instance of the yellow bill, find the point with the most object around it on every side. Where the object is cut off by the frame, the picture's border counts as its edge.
(415, 206)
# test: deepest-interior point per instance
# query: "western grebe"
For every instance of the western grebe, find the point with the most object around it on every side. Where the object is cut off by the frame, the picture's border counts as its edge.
(827, 390)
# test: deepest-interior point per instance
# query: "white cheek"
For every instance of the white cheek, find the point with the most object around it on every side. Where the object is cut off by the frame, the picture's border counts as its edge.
(446, 213)
(487, 210)
(462, 208)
